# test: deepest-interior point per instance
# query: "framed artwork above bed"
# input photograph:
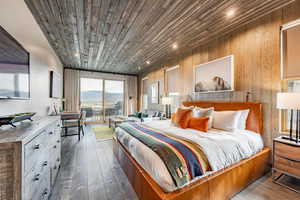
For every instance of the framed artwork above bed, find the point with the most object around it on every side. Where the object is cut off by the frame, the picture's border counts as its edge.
(215, 76)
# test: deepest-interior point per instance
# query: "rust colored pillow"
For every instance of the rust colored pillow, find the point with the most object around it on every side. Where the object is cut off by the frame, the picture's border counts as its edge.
(182, 117)
(173, 116)
(199, 123)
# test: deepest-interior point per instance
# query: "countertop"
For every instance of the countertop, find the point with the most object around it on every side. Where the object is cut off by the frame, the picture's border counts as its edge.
(26, 129)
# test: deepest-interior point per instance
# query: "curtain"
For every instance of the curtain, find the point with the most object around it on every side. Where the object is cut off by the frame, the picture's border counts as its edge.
(72, 90)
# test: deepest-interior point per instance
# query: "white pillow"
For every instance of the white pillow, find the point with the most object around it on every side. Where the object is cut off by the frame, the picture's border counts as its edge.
(226, 120)
(204, 112)
(243, 119)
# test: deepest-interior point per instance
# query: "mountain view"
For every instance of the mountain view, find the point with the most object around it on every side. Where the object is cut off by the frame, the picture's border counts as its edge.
(92, 95)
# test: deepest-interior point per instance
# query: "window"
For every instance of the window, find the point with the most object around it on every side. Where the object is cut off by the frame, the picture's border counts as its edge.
(173, 85)
(101, 99)
(145, 101)
(290, 50)
(172, 80)
(291, 86)
(145, 88)
(290, 60)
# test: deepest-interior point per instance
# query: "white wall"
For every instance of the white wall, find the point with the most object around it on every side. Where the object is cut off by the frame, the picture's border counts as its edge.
(17, 19)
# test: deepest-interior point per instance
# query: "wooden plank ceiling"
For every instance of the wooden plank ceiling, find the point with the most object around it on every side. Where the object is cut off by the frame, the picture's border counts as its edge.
(122, 35)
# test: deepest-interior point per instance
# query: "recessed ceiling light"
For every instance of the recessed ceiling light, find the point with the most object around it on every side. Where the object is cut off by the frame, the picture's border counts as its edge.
(230, 13)
(175, 46)
(148, 62)
(77, 54)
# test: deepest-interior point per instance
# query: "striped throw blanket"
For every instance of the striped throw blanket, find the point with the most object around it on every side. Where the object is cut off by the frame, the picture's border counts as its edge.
(183, 160)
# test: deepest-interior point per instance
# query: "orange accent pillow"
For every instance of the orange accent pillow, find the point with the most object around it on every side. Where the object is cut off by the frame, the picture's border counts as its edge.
(173, 116)
(199, 123)
(182, 117)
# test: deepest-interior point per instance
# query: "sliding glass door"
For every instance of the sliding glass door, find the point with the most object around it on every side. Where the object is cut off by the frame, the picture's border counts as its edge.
(91, 98)
(101, 99)
(113, 98)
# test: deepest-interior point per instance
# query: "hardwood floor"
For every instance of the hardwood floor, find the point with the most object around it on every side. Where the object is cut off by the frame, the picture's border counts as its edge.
(89, 171)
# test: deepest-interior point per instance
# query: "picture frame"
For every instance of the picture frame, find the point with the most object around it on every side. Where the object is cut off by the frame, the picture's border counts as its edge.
(215, 76)
(55, 82)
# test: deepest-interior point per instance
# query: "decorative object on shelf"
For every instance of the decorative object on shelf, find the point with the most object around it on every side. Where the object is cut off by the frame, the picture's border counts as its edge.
(11, 119)
(290, 101)
(54, 109)
(168, 101)
(155, 93)
(215, 76)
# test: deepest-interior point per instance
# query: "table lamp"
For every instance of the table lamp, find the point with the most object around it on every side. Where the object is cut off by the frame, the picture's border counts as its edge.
(167, 101)
(290, 101)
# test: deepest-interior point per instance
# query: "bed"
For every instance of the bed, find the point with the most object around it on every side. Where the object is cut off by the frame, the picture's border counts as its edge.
(222, 183)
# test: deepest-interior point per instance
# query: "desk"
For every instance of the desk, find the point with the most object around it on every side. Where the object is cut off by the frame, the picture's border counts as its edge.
(70, 116)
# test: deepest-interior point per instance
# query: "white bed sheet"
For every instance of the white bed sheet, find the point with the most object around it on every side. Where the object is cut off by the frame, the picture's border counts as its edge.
(222, 149)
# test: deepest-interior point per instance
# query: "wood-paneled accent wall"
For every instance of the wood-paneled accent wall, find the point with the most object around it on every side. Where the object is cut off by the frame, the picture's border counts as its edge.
(256, 48)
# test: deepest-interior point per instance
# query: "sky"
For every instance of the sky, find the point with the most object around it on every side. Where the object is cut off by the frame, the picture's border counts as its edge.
(88, 84)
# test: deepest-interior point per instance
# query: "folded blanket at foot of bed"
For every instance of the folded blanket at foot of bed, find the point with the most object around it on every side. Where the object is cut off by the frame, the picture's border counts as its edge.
(183, 160)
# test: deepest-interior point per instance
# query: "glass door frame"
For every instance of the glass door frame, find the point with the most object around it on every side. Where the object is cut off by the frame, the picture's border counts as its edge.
(104, 120)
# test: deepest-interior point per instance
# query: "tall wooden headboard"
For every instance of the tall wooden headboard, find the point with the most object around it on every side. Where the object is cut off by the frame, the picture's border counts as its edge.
(255, 117)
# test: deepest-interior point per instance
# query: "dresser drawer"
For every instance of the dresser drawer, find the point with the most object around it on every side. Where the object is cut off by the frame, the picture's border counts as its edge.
(34, 150)
(34, 145)
(44, 190)
(36, 181)
(286, 165)
(54, 171)
(55, 151)
(44, 195)
(287, 151)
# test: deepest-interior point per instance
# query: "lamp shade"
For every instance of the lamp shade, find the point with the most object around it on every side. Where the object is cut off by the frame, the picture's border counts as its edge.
(288, 100)
(167, 100)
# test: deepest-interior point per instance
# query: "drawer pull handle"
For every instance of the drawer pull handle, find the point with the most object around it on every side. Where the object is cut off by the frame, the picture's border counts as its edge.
(58, 159)
(54, 146)
(36, 147)
(55, 167)
(58, 141)
(51, 133)
(37, 177)
(45, 163)
(45, 193)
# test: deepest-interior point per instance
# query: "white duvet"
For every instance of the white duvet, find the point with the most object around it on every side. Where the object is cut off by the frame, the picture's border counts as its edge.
(222, 149)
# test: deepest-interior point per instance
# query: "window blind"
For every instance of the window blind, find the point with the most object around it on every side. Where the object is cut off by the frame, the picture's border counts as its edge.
(145, 91)
(173, 80)
(291, 52)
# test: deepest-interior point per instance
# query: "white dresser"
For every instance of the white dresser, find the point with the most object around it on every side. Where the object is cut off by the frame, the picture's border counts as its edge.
(30, 156)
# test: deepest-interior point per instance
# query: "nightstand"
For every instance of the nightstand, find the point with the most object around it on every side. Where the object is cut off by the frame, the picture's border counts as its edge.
(286, 160)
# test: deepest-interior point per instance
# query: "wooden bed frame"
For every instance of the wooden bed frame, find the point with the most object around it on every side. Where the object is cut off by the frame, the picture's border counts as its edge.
(220, 185)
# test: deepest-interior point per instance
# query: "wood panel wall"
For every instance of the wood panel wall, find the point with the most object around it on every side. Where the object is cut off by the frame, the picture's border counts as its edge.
(256, 47)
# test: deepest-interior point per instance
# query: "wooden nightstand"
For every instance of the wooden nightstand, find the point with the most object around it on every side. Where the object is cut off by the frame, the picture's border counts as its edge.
(286, 160)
